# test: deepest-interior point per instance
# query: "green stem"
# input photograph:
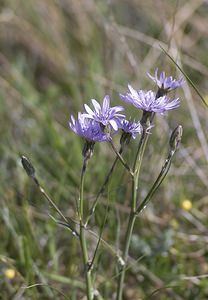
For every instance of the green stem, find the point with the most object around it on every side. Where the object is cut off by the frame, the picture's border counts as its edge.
(132, 217)
(157, 183)
(122, 270)
(92, 209)
(125, 164)
(83, 242)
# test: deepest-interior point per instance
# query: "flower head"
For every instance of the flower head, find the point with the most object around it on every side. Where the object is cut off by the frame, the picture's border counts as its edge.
(130, 127)
(88, 129)
(147, 101)
(166, 83)
(105, 114)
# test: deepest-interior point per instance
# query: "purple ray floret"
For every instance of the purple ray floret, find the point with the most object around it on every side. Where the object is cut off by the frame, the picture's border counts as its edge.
(133, 128)
(147, 101)
(88, 129)
(105, 114)
(166, 83)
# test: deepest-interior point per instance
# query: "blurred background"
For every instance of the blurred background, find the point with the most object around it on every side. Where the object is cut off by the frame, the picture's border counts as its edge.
(56, 55)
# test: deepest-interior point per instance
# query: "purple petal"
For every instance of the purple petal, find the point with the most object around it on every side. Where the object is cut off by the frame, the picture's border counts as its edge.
(114, 124)
(133, 91)
(106, 103)
(88, 110)
(88, 116)
(96, 105)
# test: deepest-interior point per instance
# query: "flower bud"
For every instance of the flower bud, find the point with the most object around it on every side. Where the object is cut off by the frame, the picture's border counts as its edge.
(176, 138)
(88, 150)
(30, 170)
(125, 138)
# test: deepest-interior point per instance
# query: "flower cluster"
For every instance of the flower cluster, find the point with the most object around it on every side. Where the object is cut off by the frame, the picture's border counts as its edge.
(102, 122)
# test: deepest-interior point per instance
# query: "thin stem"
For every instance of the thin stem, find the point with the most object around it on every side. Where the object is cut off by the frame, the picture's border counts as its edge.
(157, 183)
(83, 238)
(122, 270)
(124, 163)
(86, 262)
(139, 157)
(95, 203)
(30, 170)
(92, 209)
(100, 237)
(48, 198)
(132, 217)
(52, 203)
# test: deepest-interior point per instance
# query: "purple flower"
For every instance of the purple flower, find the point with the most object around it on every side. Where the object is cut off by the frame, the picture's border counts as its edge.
(130, 127)
(166, 83)
(105, 114)
(147, 101)
(88, 129)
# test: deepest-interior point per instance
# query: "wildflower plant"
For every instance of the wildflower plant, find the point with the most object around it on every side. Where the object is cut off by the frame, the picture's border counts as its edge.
(101, 124)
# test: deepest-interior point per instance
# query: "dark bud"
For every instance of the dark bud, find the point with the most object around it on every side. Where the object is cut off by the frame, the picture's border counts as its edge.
(30, 170)
(146, 120)
(88, 149)
(87, 153)
(161, 92)
(125, 138)
(175, 138)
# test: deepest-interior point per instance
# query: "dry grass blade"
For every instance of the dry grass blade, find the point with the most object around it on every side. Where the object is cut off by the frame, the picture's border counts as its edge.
(186, 76)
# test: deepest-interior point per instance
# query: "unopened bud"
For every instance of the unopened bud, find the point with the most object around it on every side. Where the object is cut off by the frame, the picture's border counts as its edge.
(88, 150)
(125, 138)
(30, 170)
(176, 138)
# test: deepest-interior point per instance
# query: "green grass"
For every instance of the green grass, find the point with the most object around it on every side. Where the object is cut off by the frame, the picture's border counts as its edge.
(55, 56)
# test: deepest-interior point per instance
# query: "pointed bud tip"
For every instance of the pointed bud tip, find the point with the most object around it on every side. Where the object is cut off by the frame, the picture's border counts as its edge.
(176, 137)
(28, 167)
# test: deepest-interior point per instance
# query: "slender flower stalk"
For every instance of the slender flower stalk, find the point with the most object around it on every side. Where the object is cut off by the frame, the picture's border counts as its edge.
(91, 131)
(174, 142)
(130, 130)
(30, 170)
(83, 242)
(133, 215)
(92, 209)
(124, 163)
